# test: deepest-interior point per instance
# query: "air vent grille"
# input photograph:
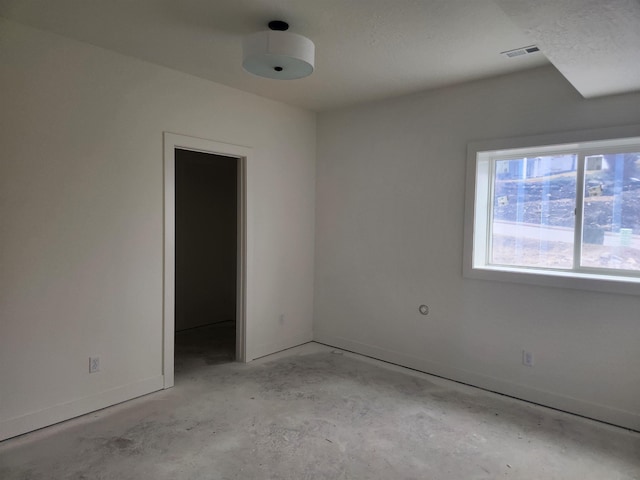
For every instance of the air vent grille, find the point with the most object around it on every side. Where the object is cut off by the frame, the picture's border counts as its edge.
(517, 52)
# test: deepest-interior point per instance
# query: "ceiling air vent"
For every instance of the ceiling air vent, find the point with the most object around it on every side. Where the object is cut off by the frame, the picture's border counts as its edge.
(520, 51)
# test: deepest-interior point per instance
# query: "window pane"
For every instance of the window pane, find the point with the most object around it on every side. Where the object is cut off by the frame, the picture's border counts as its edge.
(611, 214)
(534, 212)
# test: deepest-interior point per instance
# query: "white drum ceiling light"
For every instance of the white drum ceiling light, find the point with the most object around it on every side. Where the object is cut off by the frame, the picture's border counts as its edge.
(278, 54)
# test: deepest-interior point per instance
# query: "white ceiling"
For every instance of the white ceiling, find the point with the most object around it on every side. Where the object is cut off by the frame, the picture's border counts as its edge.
(595, 44)
(365, 49)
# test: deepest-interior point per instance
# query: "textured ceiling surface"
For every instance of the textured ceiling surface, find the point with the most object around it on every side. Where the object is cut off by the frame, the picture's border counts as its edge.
(595, 44)
(365, 49)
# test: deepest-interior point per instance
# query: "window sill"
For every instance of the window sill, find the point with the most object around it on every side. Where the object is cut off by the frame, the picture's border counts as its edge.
(552, 278)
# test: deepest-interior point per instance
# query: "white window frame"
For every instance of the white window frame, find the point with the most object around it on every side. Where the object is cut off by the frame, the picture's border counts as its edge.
(481, 156)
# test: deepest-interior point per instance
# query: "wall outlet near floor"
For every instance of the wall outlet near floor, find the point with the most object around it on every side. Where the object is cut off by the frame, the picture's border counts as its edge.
(527, 358)
(94, 364)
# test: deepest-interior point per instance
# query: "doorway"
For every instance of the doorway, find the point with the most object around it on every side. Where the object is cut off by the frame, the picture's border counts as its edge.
(205, 258)
(205, 250)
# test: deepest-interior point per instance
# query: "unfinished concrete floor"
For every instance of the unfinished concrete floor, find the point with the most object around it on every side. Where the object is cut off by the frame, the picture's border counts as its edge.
(318, 413)
(212, 344)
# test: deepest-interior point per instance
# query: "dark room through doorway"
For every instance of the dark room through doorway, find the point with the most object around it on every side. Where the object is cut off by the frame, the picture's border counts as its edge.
(206, 259)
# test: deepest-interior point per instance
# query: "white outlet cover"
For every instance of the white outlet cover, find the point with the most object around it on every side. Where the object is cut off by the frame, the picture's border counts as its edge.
(94, 364)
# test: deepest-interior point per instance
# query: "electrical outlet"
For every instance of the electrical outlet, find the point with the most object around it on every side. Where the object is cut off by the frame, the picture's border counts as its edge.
(94, 364)
(281, 319)
(527, 358)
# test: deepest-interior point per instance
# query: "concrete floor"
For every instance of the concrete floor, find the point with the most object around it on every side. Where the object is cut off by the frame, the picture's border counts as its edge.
(318, 413)
(211, 344)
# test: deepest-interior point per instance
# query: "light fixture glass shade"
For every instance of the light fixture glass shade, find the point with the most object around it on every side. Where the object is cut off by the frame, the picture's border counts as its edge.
(279, 55)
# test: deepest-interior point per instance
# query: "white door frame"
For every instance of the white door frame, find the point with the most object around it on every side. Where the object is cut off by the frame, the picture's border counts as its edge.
(242, 154)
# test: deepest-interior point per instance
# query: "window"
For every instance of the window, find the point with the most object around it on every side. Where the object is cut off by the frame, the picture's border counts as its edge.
(565, 214)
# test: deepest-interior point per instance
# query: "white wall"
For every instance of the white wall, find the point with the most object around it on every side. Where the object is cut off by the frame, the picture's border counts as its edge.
(389, 223)
(81, 179)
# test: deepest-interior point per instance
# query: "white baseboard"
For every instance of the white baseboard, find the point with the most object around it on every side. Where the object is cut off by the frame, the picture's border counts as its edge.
(264, 349)
(65, 411)
(557, 401)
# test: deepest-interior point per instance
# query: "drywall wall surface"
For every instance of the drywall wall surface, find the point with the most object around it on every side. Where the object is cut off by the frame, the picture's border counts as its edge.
(81, 179)
(206, 238)
(389, 222)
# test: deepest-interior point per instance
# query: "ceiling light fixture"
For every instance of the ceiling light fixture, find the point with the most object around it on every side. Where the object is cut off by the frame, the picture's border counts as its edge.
(278, 54)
